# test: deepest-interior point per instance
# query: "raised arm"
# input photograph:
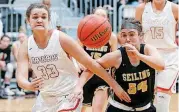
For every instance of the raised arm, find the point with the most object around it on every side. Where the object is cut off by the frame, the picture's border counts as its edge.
(74, 49)
(113, 42)
(15, 51)
(151, 56)
(112, 59)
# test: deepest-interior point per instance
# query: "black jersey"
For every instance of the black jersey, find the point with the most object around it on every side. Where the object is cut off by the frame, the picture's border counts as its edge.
(5, 54)
(96, 53)
(137, 81)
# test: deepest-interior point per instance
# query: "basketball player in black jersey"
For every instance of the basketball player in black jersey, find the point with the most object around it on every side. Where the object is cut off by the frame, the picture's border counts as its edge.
(95, 90)
(135, 65)
(5, 64)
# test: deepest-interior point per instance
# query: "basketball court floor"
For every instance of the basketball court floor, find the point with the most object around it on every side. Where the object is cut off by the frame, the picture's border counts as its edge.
(21, 104)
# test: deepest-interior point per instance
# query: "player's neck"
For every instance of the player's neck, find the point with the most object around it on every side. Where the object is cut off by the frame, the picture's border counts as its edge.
(158, 6)
(41, 39)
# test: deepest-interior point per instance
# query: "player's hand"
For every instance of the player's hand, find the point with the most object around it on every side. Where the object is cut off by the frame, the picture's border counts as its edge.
(131, 50)
(2, 64)
(36, 84)
(122, 95)
(77, 94)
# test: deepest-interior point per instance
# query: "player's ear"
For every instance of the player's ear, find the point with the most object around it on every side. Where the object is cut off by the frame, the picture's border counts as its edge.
(27, 21)
(118, 34)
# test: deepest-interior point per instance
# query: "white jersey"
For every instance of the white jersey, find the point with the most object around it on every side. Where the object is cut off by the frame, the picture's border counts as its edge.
(159, 29)
(53, 65)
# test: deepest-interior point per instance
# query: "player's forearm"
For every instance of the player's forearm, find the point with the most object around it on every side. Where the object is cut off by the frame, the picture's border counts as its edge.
(97, 69)
(152, 61)
(85, 76)
(22, 81)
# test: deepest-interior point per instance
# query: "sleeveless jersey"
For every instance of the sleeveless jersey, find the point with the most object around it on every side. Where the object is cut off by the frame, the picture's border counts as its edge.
(159, 29)
(137, 81)
(96, 53)
(53, 65)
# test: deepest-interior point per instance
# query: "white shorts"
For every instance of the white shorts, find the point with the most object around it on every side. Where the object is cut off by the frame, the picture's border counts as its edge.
(165, 79)
(55, 104)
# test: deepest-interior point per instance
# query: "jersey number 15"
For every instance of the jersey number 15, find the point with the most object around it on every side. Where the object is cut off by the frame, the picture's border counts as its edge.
(157, 32)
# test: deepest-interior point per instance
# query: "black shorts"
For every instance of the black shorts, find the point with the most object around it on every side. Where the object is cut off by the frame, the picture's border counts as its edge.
(2, 74)
(95, 83)
(114, 109)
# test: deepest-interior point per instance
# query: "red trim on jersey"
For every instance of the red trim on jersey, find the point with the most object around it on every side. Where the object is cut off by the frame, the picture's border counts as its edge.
(165, 89)
(71, 109)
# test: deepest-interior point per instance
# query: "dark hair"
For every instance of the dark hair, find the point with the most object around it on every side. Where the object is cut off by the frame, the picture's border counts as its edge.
(37, 5)
(132, 23)
(5, 36)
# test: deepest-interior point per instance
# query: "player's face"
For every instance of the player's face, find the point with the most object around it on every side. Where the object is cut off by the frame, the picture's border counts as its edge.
(121, 40)
(39, 19)
(130, 36)
(101, 12)
(22, 37)
(5, 42)
(47, 3)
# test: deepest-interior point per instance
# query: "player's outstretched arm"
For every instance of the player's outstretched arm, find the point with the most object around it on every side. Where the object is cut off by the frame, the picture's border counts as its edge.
(151, 56)
(75, 50)
(22, 71)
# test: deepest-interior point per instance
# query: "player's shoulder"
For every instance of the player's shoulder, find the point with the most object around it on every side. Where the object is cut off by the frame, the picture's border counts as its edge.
(113, 37)
(25, 43)
(15, 43)
(175, 6)
(175, 9)
(141, 7)
(149, 48)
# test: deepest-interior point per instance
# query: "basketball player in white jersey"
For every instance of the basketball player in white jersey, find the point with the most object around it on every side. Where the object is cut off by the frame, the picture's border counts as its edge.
(15, 49)
(56, 76)
(16, 45)
(159, 19)
(95, 90)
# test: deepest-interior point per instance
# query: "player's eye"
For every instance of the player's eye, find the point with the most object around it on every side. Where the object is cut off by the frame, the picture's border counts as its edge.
(132, 34)
(35, 17)
(124, 35)
(44, 17)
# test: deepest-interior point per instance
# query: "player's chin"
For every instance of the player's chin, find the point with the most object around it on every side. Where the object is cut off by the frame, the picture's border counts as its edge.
(39, 28)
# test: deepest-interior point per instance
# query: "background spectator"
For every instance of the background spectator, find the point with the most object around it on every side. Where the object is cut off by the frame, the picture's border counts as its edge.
(5, 65)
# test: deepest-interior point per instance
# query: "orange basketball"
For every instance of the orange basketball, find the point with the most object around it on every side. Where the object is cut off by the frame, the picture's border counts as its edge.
(94, 31)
